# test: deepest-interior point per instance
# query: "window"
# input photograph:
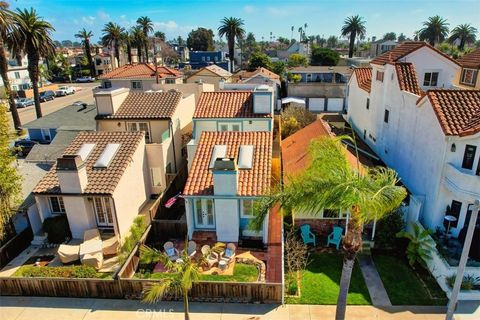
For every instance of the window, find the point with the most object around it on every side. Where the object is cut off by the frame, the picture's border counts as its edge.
(168, 168)
(229, 126)
(140, 126)
(165, 135)
(379, 76)
(169, 80)
(156, 177)
(56, 205)
(469, 156)
(103, 211)
(334, 214)
(386, 115)
(430, 79)
(204, 215)
(247, 208)
(368, 103)
(107, 84)
(364, 134)
(455, 209)
(98, 62)
(469, 76)
(17, 75)
(137, 85)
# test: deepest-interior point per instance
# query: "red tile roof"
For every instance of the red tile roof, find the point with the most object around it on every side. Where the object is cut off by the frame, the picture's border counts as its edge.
(219, 71)
(100, 181)
(251, 182)
(227, 104)
(262, 71)
(140, 71)
(364, 78)
(458, 111)
(470, 60)
(407, 77)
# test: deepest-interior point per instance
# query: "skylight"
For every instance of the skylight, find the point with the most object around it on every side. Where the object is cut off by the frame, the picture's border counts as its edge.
(85, 150)
(245, 157)
(219, 151)
(107, 155)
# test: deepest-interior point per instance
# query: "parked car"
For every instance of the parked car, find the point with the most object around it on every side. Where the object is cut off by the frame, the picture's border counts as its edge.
(24, 102)
(24, 146)
(64, 91)
(85, 79)
(79, 103)
(47, 95)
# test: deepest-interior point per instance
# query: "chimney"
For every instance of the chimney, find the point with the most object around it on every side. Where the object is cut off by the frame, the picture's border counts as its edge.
(109, 100)
(262, 99)
(225, 177)
(72, 174)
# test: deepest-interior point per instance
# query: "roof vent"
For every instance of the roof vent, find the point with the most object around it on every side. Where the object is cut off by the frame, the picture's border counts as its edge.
(219, 151)
(107, 155)
(85, 150)
(245, 157)
(224, 164)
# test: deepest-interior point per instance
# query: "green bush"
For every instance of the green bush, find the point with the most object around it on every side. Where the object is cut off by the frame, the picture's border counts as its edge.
(469, 281)
(387, 228)
(57, 229)
(59, 272)
(136, 231)
(324, 57)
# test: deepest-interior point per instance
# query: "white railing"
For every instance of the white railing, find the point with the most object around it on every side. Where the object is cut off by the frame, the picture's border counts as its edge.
(461, 180)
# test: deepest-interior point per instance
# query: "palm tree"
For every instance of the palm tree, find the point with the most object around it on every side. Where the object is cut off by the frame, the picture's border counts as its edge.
(6, 35)
(33, 37)
(128, 39)
(465, 32)
(112, 36)
(352, 27)
(183, 275)
(231, 28)
(147, 26)
(434, 30)
(330, 182)
(138, 39)
(86, 36)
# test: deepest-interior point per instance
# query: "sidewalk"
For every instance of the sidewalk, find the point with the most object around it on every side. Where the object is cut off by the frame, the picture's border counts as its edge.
(43, 308)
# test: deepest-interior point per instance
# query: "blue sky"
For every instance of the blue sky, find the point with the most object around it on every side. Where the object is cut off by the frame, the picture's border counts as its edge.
(323, 17)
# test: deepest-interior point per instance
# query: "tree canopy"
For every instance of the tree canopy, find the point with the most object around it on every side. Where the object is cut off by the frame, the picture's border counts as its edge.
(324, 57)
(200, 40)
(297, 60)
(258, 60)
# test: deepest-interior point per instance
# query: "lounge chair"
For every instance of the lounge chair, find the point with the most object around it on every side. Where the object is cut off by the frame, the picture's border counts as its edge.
(171, 251)
(307, 235)
(335, 237)
(68, 253)
(110, 246)
(191, 248)
(210, 255)
(91, 253)
(229, 254)
(91, 234)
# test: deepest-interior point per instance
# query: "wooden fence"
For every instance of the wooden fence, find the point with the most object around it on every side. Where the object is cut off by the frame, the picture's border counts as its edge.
(128, 268)
(163, 229)
(15, 246)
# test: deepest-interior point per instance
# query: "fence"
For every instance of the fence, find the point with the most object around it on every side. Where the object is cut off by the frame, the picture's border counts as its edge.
(14, 246)
(168, 229)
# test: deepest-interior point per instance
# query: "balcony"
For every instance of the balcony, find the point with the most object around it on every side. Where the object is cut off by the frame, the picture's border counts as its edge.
(461, 181)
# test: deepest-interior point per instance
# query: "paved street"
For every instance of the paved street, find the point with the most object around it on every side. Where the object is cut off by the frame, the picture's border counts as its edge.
(85, 94)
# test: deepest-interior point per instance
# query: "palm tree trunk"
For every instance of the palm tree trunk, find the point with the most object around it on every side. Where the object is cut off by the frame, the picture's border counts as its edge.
(8, 90)
(117, 53)
(146, 50)
(185, 305)
(231, 51)
(352, 44)
(33, 59)
(462, 44)
(129, 52)
(89, 58)
(344, 286)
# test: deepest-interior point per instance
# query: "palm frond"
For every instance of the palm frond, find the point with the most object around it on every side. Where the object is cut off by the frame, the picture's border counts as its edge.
(156, 291)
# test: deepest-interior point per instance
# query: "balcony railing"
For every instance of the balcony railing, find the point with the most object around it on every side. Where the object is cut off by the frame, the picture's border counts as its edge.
(461, 180)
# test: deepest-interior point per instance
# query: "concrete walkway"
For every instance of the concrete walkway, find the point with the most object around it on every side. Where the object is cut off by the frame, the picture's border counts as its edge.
(377, 291)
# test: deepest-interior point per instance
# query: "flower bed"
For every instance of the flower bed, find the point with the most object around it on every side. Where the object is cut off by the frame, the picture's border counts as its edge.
(72, 271)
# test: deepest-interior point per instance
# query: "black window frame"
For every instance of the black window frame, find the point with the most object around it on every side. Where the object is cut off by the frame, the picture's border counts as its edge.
(431, 82)
(368, 104)
(386, 115)
(467, 163)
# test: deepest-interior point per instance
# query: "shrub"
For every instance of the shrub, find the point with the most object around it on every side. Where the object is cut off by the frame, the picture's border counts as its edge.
(469, 281)
(59, 272)
(295, 118)
(420, 245)
(387, 228)
(136, 231)
(57, 229)
(324, 57)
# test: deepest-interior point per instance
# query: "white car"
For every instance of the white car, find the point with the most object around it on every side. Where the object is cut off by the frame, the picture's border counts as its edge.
(64, 91)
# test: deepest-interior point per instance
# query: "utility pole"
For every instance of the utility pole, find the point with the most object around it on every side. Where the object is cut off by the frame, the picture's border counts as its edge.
(452, 304)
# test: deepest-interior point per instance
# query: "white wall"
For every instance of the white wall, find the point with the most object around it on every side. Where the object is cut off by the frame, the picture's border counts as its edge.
(227, 220)
(359, 117)
(252, 124)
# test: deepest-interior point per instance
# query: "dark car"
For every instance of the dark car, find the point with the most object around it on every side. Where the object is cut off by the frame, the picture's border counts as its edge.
(24, 146)
(47, 95)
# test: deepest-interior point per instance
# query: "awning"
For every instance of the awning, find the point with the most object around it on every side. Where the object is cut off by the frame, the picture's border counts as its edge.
(293, 99)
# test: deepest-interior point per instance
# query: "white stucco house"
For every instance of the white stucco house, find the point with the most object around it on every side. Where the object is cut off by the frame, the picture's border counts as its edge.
(405, 110)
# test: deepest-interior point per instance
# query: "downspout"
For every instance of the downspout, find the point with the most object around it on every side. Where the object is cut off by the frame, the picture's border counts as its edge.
(116, 220)
(173, 143)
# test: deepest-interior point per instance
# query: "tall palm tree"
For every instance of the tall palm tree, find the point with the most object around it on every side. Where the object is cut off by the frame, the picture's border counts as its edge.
(128, 39)
(183, 275)
(434, 30)
(7, 35)
(330, 182)
(112, 36)
(352, 27)
(86, 36)
(147, 27)
(465, 32)
(138, 40)
(34, 38)
(231, 28)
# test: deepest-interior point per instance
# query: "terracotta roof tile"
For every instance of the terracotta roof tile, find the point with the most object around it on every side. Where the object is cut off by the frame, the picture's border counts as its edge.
(251, 182)
(364, 78)
(100, 181)
(140, 71)
(147, 105)
(407, 77)
(219, 71)
(470, 60)
(458, 111)
(227, 104)
(263, 71)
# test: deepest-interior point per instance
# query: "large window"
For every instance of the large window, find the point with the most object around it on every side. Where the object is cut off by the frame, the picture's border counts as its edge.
(430, 79)
(469, 156)
(140, 126)
(469, 76)
(56, 205)
(103, 211)
(229, 126)
(204, 214)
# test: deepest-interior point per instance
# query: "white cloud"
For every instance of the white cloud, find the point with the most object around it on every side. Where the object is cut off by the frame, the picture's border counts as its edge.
(102, 15)
(89, 20)
(172, 28)
(249, 9)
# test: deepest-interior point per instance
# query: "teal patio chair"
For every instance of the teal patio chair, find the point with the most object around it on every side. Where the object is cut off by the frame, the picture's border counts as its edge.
(335, 237)
(307, 235)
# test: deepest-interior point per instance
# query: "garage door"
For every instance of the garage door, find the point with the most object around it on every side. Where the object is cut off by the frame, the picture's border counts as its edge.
(335, 104)
(316, 104)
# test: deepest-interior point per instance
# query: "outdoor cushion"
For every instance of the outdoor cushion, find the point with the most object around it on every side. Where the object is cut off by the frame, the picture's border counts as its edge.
(93, 259)
(171, 251)
(110, 246)
(91, 234)
(68, 253)
(228, 252)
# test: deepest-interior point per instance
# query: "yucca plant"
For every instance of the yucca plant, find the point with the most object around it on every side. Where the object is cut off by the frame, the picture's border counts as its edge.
(420, 245)
(468, 283)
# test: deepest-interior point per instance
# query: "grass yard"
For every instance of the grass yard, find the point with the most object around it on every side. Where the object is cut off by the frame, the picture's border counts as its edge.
(403, 284)
(320, 282)
(68, 271)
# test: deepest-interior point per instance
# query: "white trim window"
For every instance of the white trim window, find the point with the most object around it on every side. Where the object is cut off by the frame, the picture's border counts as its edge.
(56, 205)
(334, 214)
(140, 126)
(156, 177)
(137, 85)
(246, 210)
(430, 79)
(229, 126)
(469, 76)
(103, 211)
(204, 213)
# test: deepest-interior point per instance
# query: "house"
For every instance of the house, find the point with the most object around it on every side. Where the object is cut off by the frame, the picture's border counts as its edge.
(468, 77)
(71, 118)
(164, 117)
(140, 76)
(252, 86)
(325, 88)
(381, 46)
(405, 109)
(91, 184)
(230, 171)
(200, 59)
(18, 73)
(302, 48)
(103, 63)
(259, 76)
(182, 51)
(212, 74)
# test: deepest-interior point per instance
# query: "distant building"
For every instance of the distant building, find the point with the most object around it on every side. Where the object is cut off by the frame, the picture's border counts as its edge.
(381, 46)
(200, 59)
(468, 77)
(103, 63)
(212, 74)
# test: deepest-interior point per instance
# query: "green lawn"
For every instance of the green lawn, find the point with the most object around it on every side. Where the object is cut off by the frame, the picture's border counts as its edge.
(320, 282)
(403, 284)
(68, 271)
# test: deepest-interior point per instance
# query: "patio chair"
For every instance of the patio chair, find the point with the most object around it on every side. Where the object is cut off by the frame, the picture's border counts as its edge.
(191, 248)
(171, 251)
(210, 255)
(91, 234)
(91, 253)
(229, 254)
(68, 253)
(307, 235)
(110, 246)
(335, 237)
